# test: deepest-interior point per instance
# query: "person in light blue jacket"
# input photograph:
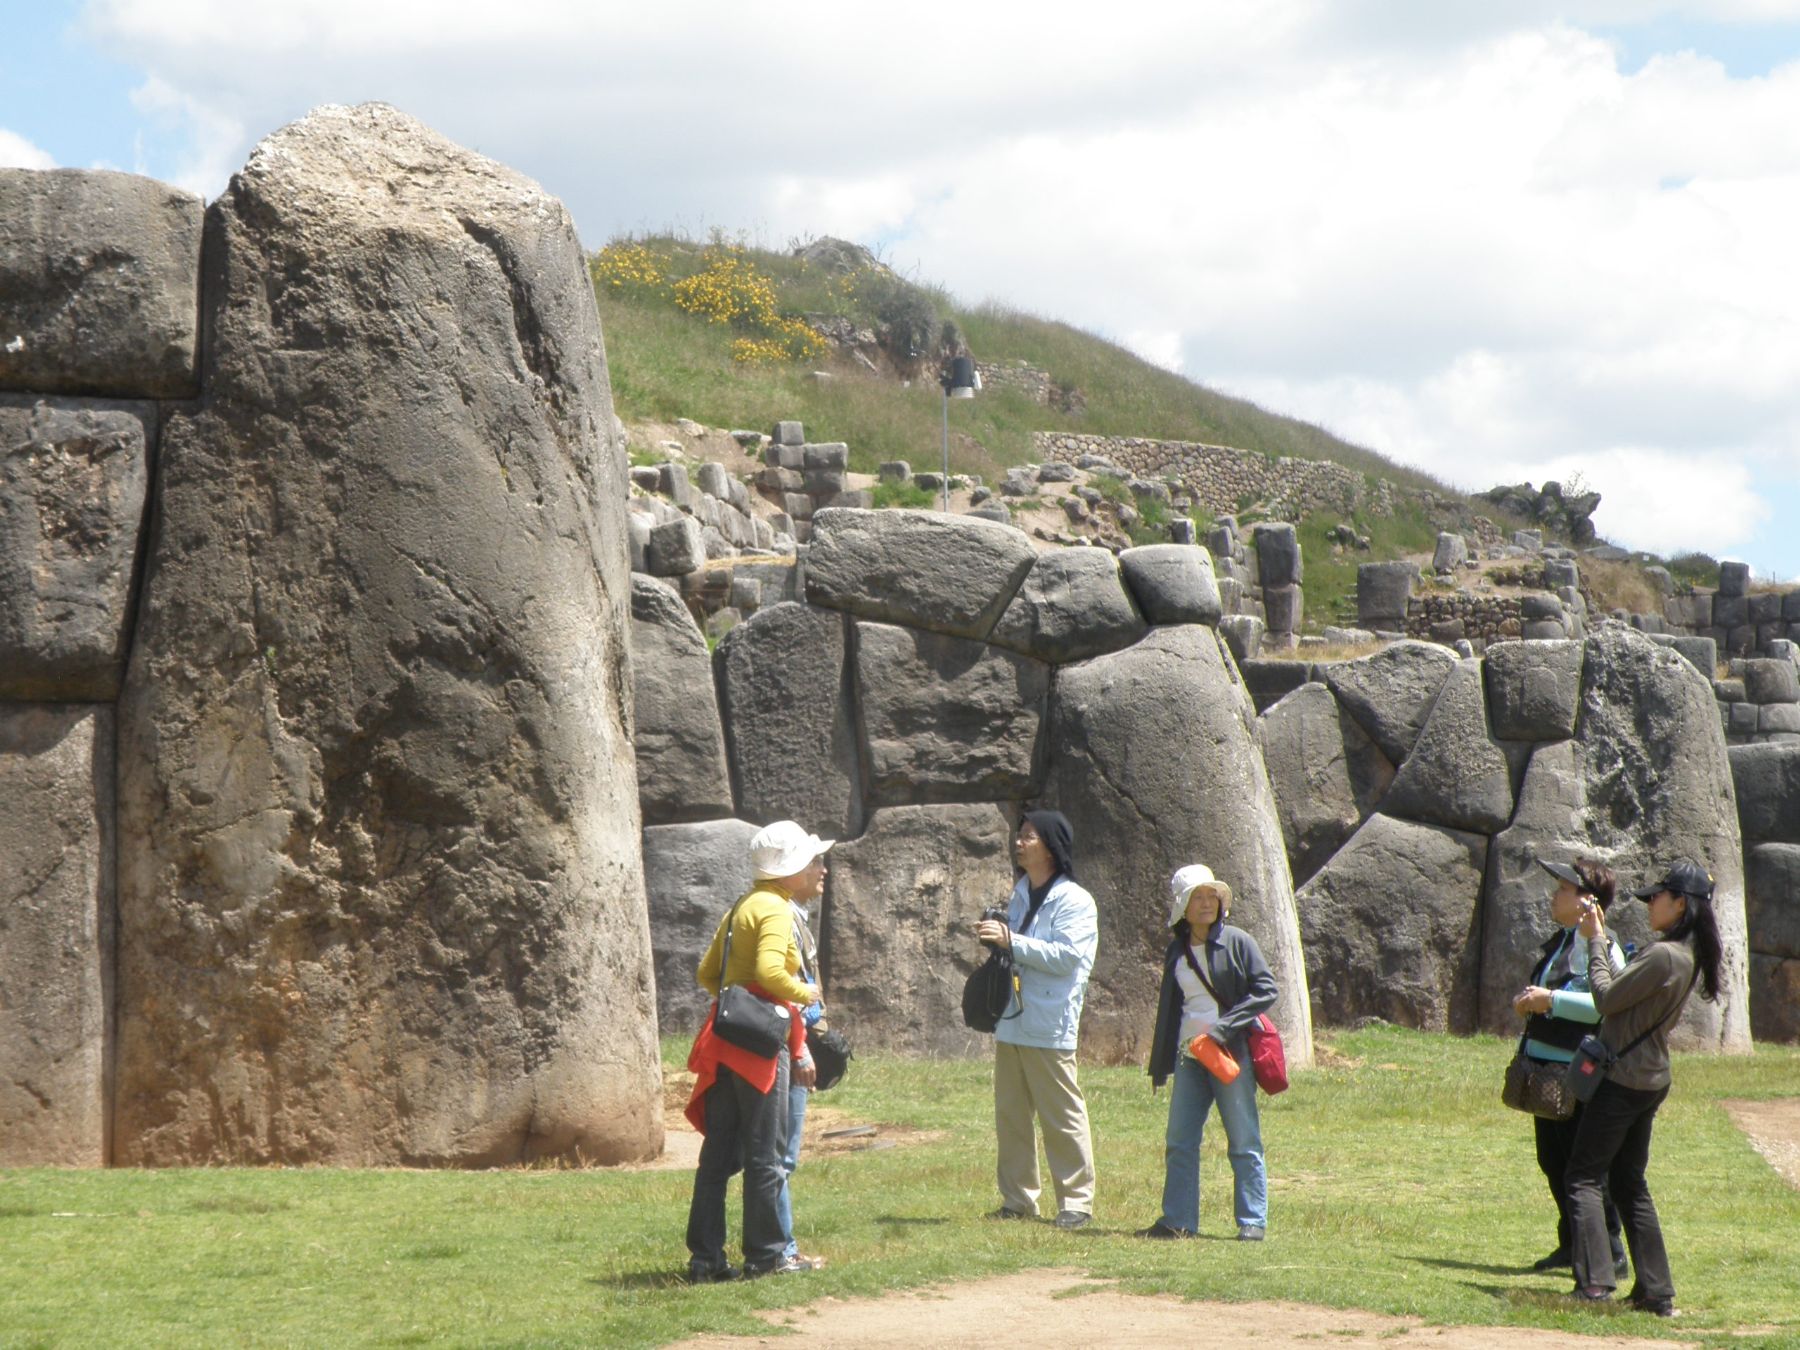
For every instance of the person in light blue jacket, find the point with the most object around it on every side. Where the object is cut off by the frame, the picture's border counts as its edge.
(1052, 930)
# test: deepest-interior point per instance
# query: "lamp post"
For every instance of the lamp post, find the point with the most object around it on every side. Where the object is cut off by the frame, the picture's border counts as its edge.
(959, 380)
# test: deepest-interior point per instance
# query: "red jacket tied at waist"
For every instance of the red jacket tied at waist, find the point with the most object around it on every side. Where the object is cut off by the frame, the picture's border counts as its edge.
(710, 1052)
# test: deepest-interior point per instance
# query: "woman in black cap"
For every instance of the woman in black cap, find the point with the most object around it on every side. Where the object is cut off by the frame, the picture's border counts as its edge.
(1558, 1005)
(1612, 1143)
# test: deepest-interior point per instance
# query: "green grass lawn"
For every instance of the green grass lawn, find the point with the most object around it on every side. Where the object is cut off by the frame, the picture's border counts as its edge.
(1398, 1184)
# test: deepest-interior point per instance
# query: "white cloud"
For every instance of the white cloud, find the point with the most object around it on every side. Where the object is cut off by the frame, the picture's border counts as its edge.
(1458, 233)
(18, 153)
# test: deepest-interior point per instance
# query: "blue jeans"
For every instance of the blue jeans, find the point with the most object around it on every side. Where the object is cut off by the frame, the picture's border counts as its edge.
(790, 1161)
(1193, 1096)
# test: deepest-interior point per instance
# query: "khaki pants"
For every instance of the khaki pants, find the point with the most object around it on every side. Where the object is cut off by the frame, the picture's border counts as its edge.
(1027, 1082)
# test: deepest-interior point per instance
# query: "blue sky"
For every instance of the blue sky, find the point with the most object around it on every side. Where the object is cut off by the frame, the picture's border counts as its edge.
(1500, 242)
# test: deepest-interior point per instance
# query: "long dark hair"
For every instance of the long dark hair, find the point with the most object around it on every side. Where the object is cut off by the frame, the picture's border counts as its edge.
(1700, 929)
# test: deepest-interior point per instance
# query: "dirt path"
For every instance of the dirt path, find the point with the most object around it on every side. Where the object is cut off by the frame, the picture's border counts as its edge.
(1773, 1128)
(1035, 1308)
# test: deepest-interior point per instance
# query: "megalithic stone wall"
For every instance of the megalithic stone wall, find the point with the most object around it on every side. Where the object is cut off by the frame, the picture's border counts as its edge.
(379, 889)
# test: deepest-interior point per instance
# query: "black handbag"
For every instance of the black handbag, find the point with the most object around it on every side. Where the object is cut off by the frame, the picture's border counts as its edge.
(744, 1020)
(987, 991)
(1537, 1087)
(831, 1055)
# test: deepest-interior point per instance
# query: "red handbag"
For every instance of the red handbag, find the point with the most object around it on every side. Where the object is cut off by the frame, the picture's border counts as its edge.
(1268, 1061)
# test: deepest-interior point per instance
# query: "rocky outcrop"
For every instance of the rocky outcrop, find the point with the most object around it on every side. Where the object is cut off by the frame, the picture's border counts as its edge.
(56, 934)
(1136, 808)
(789, 724)
(905, 898)
(99, 274)
(680, 746)
(74, 478)
(946, 719)
(1391, 927)
(381, 897)
(693, 875)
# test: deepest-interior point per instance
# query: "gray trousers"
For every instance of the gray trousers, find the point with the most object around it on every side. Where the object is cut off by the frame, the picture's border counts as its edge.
(745, 1130)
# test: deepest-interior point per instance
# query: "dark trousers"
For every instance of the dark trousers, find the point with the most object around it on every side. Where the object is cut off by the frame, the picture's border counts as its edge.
(745, 1130)
(1555, 1142)
(1612, 1148)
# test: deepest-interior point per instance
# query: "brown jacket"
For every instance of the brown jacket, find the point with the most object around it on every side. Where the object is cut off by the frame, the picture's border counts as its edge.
(1647, 993)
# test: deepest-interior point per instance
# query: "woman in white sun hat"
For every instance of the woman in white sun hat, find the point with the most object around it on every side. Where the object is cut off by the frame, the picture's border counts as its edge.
(1214, 984)
(740, 1098)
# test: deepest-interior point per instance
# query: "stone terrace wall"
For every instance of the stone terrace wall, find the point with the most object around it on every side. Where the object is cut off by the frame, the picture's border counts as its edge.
(371, 891)
(1223, 479)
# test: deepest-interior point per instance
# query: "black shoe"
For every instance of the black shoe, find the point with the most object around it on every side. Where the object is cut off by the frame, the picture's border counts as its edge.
(1656, 1307)
(1072, 1218)
(1621, 1267)
(1592, 1293)
(1557, 1260)
(712, 1274)
(1250, 1232)
(1004, 1213)
(1163, 1232)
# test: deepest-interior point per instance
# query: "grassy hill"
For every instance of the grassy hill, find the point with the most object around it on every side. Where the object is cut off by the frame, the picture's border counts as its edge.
(668, 361)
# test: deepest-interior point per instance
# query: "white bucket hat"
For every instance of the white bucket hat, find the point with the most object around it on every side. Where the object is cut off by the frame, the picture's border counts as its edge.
(782, 849)
(1189, 879)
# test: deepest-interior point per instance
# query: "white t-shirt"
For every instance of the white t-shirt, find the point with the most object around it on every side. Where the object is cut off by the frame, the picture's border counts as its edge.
(1198, 1010)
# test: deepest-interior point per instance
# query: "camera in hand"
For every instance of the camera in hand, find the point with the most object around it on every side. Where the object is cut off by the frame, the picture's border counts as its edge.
(993, 914)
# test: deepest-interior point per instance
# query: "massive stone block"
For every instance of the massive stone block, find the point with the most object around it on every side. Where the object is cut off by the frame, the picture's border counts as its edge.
(1533, 689)
(1156, 765)
(1172, 583)
(901, 909)
(1456, 776)
(789, 728)
(1071, 605)
(1391, 692)
(946, 719)
(56, 934)
(1644, 780)
(381, 897)
(1767, 780)
(1277, 554)
(1772, 918)
(950, 574)
(1391, 927)
(1327, 775)
(693, 874)
(99, 284)
(73, 479)
(680, 745)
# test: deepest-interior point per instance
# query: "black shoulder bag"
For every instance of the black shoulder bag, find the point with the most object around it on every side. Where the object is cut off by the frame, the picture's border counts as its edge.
(991, 986)
(744, 1020)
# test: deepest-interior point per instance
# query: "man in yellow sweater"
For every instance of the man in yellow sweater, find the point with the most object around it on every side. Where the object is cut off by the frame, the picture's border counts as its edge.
(740, 1098)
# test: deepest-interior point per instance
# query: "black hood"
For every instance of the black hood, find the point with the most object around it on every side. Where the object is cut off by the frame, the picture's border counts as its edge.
(1059, 837)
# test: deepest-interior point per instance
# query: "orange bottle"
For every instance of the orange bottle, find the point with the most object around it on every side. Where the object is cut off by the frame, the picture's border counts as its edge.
(1215, 1058)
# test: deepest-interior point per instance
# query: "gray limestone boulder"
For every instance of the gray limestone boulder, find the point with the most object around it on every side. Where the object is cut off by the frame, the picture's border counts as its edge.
(1243, 636)
(1071, 605)
(380, 890)
(1277, 553)
(714, 480)
(99, 284)
(1701, 652)
(73, 483)
(1769, 681)
(949, 574)
(1270, 679)
(789, 729)
(1451, 553)
(56, 933)
(1766, 780)
(1645, 779)
(1172, 583)
(1533, 689)
(1327, 775)
(692, 874)
(1456, 776)
(946, 719)
(1772, 913)
(789, 433)
(675, 548)
(1391, 927)
(903, 901)
(679, 742)
(1382, 590)
(1390, 692)
(1734, 578)
(1140, 811)
(1282, 608)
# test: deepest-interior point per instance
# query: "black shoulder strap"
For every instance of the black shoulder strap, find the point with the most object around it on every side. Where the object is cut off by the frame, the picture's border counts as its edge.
(725, 958)
(1187, 953)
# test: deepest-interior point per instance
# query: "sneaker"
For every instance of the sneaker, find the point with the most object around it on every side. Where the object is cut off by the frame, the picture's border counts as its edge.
(712, 1274)
(1163, 1232)
(1072, 1218)
(1250, 1232)
(787, 1265)
(1557, 1260)
(1004, 1213)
